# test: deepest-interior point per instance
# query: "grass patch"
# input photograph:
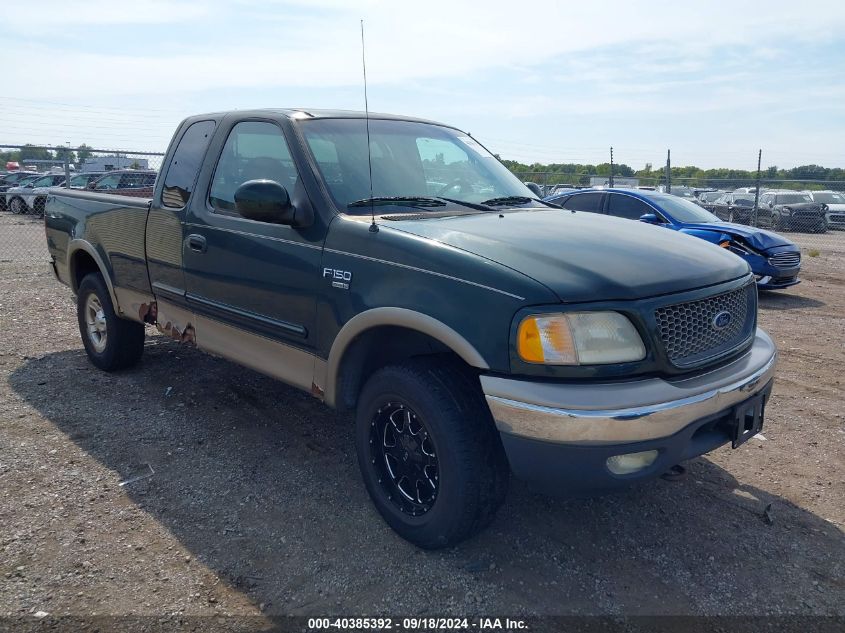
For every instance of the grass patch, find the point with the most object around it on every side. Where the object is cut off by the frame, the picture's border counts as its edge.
(814, 252)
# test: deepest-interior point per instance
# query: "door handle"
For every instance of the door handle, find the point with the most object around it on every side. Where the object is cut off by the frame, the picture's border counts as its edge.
(197, 243)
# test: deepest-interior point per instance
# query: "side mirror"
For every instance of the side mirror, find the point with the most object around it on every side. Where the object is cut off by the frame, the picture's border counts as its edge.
(91, 185)
(771, 204)
(265, 201)
(649, 218)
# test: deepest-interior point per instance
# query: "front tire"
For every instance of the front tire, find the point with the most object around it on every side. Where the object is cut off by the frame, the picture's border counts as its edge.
(111, 343)
(429, 452)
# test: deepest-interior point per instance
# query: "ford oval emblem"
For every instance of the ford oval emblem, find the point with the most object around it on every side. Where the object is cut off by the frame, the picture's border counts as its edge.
(722, 320)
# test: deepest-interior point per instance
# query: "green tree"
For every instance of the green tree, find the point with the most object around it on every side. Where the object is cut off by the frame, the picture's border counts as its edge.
(62, 152)
(83, 152)
(31, 152)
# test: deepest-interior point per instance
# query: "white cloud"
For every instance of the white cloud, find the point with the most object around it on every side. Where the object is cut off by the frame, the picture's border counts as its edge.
(621, 62)
(306, 44)
(51, 15)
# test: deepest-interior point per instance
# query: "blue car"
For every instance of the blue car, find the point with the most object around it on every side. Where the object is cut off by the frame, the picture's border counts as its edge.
(773, 258)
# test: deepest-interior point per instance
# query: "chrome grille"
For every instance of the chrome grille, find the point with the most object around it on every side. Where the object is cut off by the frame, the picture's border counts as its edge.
(689, 332)
(785, 260)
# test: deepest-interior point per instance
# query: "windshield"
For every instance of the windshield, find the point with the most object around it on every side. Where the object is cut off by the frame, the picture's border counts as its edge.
(794, 198)
(16, 178)
(409, 160)
(829, 198)
(45, 181)
(81, 180)
(682, 210)
(744, 200)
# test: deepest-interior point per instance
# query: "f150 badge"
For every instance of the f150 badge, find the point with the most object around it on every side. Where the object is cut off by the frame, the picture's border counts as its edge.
(340, 278)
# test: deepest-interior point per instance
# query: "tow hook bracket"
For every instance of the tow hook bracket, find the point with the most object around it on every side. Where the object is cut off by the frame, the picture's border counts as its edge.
(674, 473)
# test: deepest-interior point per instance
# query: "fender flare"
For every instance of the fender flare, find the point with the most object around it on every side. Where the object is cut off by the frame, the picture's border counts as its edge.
(76, 245)
(399, 317)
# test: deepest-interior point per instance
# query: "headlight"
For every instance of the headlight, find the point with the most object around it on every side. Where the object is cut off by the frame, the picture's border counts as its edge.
(787, 211)
(579, 338)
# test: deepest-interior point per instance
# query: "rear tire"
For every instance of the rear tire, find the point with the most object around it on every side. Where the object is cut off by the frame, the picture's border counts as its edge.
(429, 452)
(111, 343)
(17, 206)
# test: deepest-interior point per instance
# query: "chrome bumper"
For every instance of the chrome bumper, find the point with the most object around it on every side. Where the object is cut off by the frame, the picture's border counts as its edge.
(623, 412)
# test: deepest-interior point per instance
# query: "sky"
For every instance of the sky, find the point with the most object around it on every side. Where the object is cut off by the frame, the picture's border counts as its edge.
(536, 82)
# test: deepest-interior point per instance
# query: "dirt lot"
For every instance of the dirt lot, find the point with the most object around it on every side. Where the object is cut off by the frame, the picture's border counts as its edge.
(256, 505)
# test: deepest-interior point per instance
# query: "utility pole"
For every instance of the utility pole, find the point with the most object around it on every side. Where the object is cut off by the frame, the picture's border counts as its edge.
(757, 188)
(668, 171)
(611, 167)
(67, 165)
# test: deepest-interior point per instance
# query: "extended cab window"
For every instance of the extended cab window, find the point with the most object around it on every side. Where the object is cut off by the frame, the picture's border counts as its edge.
(255, 150)
(584, 202)
(628, 207)
(185, 165)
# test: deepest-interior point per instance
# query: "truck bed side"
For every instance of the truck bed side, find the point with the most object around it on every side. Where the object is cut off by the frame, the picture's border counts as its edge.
(90, 232)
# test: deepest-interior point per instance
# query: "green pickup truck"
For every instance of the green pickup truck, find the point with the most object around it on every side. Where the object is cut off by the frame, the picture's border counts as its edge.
(394, 267)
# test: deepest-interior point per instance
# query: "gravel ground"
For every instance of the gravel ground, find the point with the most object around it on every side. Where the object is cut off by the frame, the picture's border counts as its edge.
(252, 503)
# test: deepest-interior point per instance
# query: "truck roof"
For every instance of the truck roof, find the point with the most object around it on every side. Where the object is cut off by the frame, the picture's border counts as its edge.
(315, 113)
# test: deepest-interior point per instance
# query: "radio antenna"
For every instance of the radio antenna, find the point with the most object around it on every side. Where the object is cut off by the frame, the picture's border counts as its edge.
(373, 225)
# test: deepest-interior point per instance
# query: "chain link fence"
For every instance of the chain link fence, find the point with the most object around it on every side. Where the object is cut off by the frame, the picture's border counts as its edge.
(27, 172)
(811, 213)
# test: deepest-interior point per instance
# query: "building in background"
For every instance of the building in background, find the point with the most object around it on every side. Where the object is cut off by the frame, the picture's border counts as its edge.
(108, 163)
(618, 181)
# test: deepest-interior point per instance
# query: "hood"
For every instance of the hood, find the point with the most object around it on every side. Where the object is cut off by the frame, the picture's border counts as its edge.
(758, 239)
(583, 256)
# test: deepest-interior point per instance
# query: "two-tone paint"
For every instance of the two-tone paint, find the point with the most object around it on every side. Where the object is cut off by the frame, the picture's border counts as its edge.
(318, 306)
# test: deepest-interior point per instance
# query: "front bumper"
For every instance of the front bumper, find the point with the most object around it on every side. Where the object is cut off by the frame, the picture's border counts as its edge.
(770, 276)
(770, 282)
(560, 435)
(836, 219)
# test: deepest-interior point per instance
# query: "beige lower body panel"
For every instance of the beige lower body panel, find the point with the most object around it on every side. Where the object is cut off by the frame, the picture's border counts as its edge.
(132, 304)
(283, 362)
(288, 364)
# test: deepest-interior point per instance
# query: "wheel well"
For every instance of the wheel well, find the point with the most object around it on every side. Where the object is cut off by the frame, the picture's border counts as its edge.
(377, 348)
(82, 264)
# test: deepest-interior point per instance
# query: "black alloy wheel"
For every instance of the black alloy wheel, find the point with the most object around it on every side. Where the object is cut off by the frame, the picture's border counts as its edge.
(404, 455)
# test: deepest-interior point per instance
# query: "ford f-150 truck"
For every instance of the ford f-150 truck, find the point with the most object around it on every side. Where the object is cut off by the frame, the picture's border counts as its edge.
(394, 267)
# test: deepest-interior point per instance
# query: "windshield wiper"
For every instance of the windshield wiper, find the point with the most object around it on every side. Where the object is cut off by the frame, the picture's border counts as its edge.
(480, 206)
(411, 201)
(506, 200)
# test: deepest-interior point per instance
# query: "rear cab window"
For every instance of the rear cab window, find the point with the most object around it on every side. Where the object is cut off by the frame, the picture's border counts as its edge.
(185, 164)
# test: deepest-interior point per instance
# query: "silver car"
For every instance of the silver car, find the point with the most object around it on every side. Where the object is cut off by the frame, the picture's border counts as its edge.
(835, 202)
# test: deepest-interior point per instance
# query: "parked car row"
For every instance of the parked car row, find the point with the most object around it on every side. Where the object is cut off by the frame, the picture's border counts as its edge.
(26, 192)
(779, 209)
